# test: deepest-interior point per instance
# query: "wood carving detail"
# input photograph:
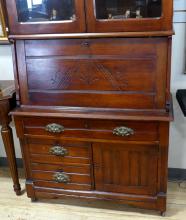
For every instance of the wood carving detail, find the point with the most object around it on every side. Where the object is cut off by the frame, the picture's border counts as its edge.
(89, 75)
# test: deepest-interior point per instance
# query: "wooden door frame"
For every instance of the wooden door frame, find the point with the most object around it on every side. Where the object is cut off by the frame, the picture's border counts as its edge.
(164, 23)
(16, 27)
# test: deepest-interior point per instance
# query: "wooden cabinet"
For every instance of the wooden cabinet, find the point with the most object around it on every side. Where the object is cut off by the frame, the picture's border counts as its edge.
(93, 88)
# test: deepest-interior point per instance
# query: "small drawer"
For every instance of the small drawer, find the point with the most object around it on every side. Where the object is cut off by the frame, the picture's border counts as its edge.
(62, 180)
(58, 152)
(62, 177)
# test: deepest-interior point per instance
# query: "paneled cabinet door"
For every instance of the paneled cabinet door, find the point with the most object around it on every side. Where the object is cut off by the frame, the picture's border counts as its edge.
(46, 16)
(129, 15)
(121, 168)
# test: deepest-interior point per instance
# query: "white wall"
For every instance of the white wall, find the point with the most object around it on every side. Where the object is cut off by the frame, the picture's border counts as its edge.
(6, 67)
(177, 155)
(6, 73)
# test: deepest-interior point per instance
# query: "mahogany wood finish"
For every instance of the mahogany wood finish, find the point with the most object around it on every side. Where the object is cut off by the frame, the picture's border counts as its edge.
(98, 129)
(163, 23)
(85, 8)
(17, 27)
(108, 69)
(93, 35)
(7, 103)
(95, 106)
(126, 168)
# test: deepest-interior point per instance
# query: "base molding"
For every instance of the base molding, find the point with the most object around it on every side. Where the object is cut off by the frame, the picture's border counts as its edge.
(157, 202)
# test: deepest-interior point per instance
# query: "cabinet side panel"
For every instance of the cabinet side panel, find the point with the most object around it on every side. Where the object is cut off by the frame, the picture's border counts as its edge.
(22, 71)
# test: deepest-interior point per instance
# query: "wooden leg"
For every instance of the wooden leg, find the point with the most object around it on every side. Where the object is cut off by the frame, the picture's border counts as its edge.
(7, 136)
(10, 152)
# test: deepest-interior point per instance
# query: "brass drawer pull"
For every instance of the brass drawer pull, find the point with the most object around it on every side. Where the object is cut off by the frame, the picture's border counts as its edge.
(123, 131)
(54, 128)
(61, 178)
(58, 151)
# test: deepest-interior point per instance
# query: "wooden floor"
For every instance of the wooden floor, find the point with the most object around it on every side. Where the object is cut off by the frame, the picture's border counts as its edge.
(21, 208)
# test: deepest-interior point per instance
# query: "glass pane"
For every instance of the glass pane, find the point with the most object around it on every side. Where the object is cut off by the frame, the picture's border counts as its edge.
(45, 10)
(123, 9)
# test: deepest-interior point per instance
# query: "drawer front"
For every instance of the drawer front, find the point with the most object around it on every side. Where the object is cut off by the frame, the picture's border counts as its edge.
(58, 152)
(101, 73)
(65, 177)
(62, 177)
(92, 129)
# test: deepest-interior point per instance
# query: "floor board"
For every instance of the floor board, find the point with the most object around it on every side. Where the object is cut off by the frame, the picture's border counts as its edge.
(21, 208)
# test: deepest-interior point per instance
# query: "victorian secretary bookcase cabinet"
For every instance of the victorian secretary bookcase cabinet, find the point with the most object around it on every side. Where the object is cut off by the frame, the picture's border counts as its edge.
(93, 90)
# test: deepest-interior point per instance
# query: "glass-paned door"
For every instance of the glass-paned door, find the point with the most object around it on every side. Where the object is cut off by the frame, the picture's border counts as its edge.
(46, 16)
(119, 9)
(129, 15)
(45, 10)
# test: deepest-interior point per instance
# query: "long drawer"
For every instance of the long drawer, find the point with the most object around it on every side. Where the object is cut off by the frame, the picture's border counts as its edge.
(91, 129)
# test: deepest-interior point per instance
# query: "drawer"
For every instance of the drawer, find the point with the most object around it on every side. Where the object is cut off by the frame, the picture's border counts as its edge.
(93, 129)
(64, 180)
(124, 130)
(70, 177)
(58, 152)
